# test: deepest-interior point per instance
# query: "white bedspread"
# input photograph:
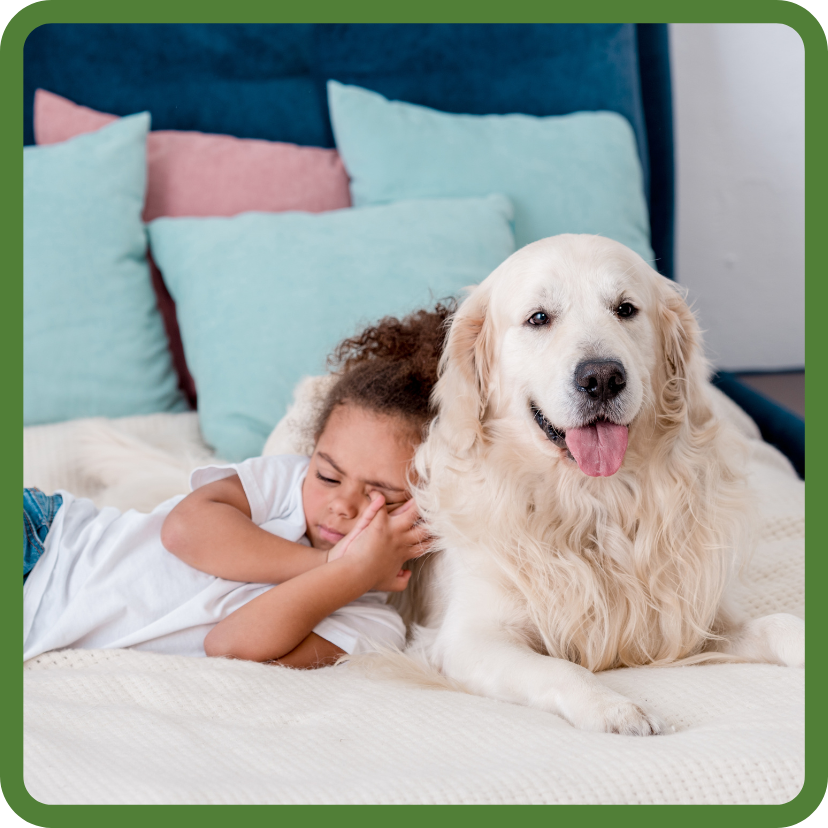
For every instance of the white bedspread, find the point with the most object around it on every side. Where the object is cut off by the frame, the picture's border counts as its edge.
(128, 727)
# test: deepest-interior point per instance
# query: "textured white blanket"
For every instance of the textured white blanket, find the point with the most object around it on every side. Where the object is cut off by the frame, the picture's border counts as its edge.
(129, 727)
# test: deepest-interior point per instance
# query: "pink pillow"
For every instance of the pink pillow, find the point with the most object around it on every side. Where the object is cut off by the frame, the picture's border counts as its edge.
(196, 174)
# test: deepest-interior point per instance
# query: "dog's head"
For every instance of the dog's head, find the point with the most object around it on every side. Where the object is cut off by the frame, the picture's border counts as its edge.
(574, 340)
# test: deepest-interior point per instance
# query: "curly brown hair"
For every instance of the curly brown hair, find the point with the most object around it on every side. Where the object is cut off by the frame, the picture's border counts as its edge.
(390, 368)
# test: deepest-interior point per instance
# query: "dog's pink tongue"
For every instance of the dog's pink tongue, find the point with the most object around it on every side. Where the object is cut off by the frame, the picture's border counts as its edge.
(598, 449)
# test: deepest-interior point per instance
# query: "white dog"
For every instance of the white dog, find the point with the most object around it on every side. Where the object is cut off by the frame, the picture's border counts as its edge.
(589, 505)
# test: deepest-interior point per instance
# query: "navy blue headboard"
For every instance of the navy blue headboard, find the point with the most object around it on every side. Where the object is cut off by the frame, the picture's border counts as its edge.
(268, 81)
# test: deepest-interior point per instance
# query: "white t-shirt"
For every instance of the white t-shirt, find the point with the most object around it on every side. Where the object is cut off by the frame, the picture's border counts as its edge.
(105, 580)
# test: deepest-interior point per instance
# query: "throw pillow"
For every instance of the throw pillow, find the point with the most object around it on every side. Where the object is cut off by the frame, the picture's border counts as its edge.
(197, 174)
(263, 298)
(577, 173)
(93, 339)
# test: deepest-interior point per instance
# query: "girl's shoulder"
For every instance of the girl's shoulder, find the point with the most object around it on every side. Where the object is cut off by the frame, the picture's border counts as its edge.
(280, 463)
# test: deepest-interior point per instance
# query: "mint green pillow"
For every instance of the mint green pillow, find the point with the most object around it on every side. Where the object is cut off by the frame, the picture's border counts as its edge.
(576, 173)
(93, 339)
(262, 298)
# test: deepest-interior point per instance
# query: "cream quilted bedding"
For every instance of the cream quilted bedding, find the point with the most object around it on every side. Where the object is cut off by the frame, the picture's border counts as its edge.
(129, 727)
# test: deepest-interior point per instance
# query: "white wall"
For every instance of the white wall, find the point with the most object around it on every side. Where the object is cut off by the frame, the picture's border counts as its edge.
(739, 110)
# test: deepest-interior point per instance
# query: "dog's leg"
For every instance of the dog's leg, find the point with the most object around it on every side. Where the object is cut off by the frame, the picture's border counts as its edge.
(489, 663)
(775, 639)
(486, 658)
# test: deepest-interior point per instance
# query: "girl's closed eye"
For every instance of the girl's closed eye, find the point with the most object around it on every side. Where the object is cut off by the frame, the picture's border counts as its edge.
(394, 504)
(390, 504)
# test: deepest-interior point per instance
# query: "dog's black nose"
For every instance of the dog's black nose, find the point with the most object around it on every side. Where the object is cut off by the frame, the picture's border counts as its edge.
(602, 379)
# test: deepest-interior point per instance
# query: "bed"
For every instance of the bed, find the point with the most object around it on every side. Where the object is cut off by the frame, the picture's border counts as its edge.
(130, 727)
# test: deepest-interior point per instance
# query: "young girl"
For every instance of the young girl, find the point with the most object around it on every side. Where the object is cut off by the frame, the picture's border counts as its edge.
(196, 576)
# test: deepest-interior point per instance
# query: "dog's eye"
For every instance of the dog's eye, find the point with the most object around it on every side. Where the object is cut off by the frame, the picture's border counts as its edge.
(539, 318)
(625, 310)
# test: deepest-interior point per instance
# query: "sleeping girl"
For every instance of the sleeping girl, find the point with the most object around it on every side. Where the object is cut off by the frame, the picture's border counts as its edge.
(284, 559)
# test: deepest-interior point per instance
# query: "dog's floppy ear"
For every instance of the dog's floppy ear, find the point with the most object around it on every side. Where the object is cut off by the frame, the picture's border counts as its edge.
(462, 392)
(680, 332)
(684, 367)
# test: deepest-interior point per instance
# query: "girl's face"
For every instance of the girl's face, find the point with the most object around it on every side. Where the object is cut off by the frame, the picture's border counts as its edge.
(359, 452)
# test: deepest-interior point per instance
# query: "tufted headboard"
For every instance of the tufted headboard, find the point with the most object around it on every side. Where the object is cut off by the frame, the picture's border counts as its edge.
(268, 80)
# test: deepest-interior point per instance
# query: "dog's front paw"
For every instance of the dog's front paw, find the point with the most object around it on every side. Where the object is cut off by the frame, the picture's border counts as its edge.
(629, 719)
(613, 713)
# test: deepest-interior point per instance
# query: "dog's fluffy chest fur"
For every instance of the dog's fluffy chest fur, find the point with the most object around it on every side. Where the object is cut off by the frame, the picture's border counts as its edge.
(605, 572)
(571, 591)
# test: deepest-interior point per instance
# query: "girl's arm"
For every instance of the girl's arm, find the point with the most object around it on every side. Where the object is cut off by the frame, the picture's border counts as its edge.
(211, 530)
(314, 651)
(273, 625)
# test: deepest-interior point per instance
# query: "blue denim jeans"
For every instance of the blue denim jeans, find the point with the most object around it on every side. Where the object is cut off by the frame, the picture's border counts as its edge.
(39, 512)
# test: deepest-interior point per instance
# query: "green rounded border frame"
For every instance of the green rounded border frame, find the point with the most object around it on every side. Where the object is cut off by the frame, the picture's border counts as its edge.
(425, 11)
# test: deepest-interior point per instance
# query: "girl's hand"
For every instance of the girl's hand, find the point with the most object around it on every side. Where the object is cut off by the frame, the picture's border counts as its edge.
(339, 549)
(381, 543)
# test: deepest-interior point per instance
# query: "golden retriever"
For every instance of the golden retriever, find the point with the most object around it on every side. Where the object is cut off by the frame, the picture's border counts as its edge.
(588, 505)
